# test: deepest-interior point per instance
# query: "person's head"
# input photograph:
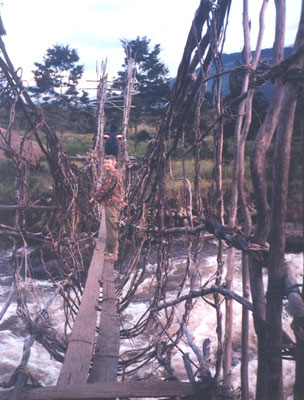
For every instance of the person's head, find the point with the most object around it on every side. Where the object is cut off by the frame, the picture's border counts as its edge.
(109, 163)
(114, 126)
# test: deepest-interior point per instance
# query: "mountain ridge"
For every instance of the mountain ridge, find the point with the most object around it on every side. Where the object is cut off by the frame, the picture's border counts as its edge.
(231, 61)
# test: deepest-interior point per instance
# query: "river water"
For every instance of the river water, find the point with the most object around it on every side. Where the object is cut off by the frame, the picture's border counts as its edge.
(202, 324)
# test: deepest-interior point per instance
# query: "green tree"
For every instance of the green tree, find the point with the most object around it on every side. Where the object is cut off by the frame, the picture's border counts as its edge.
(56, 89)
(58, 76)
(151, 75)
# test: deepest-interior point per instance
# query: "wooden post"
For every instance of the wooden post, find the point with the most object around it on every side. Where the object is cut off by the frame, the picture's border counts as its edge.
(123, 157)
(237, 159)
(276, 267)
(242, 193)
(75, 368)
(258, 157)
(98, 140)
(245, 329)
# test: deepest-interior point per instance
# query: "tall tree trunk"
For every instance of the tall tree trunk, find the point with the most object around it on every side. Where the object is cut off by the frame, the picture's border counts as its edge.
(278, 218)
(242, 195)
(245, 330)
(302, 143)
(234, 201)
(261, 144)
(218, 149)
(298, 321)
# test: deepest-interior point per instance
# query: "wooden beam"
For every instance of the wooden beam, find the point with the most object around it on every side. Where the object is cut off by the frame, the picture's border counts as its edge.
(105, 359)
(110, 390)
(75, 368)
(25, 207)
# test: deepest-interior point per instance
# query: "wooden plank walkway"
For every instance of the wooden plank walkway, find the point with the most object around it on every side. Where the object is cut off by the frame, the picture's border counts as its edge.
(81, 352)
(105, 358)
(89, 371)
(76, 365)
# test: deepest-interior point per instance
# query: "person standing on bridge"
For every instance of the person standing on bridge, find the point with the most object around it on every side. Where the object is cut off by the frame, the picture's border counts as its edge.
(111, 195)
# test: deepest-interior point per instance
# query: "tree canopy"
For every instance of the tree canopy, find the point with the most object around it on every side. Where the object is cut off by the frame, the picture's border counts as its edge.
(57, 79)
(58, 76)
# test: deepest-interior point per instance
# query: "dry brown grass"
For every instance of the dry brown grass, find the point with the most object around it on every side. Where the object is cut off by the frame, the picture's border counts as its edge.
(31, 150)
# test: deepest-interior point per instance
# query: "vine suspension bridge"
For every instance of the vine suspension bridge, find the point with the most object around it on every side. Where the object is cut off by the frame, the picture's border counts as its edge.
(95, 298)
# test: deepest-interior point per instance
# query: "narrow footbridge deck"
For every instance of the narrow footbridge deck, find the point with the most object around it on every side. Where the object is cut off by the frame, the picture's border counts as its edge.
(89, 370)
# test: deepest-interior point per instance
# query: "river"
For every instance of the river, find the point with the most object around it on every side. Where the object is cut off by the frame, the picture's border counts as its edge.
(202, 324)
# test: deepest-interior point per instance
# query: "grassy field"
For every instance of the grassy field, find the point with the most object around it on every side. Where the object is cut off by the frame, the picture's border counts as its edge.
(40, 181)
(75, 143)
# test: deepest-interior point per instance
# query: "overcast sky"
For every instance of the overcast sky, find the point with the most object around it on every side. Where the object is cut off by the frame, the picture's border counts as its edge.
(95, 27)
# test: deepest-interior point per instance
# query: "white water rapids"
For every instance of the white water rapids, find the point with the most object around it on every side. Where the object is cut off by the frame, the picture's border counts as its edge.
(202, 324)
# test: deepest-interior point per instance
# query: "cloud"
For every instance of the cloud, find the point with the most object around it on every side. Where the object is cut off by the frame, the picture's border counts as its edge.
(95, 27)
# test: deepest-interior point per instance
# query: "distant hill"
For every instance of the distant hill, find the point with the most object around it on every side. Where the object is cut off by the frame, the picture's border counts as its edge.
(230, 61)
